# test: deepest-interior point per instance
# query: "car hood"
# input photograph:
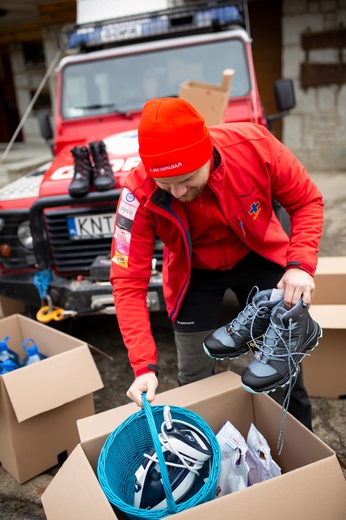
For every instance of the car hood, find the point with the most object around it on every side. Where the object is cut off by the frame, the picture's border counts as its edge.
(122, 149)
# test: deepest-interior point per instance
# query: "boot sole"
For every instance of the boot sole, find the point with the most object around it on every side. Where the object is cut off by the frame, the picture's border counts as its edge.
(219, 358)
(284, 383)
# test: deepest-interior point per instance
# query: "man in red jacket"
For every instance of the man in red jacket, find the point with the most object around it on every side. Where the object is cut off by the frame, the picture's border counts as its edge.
(207, 193)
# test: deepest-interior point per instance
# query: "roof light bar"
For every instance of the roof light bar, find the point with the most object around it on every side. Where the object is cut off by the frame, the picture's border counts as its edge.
(197, 17)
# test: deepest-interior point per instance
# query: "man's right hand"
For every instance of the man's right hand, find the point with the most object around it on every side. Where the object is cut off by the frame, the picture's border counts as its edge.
(144, 383)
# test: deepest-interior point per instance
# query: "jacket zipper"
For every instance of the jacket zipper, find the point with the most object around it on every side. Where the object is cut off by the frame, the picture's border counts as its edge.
(242, 227)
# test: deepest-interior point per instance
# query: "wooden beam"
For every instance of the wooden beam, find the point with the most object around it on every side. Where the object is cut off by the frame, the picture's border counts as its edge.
(58, 12)
(49, 14)
(24, 32)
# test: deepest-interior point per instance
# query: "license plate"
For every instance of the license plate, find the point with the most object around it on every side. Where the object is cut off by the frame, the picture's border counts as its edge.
(91, 226)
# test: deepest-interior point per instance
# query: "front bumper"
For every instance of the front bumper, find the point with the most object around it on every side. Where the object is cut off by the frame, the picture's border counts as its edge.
(80, 296)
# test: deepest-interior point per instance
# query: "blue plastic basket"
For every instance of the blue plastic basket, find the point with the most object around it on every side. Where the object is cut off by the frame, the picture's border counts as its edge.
(122, 454)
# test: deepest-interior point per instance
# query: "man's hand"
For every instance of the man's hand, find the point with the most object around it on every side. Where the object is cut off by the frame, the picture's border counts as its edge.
(144, 383)
(297, 284)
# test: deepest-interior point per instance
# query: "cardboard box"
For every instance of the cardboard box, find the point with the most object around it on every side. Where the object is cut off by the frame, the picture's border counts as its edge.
(312, 485)
(324, 370)
(330, 281)
(40, 403)
(210, 100)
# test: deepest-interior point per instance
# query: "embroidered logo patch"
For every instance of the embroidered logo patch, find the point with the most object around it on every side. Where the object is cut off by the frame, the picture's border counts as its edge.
(255, 209)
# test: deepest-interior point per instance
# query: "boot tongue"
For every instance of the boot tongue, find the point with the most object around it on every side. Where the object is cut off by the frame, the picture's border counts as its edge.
(277, 318)
(279, 313)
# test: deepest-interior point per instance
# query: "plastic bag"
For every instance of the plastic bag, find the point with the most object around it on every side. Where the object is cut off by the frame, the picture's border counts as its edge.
(234, 467)
(262, 466)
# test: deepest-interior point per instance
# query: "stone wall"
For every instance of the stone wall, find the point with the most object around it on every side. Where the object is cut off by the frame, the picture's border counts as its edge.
(316, 129)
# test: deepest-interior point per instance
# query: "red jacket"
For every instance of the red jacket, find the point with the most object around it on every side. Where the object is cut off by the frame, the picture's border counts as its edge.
(254, 167)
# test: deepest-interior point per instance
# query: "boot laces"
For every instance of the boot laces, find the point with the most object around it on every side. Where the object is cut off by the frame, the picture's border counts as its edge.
(281, 349)
(101, 160)
(247, 316)
(82, 166)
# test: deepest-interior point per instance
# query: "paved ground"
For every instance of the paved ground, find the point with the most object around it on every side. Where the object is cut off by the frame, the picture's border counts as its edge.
(329, 415)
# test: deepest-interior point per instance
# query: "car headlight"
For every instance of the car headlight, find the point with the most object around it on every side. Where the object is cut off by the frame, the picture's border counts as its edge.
(24, 235)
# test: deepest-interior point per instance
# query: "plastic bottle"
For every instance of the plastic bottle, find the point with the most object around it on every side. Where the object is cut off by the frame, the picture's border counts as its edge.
(33, 355)
(7, 366)
(7, 353)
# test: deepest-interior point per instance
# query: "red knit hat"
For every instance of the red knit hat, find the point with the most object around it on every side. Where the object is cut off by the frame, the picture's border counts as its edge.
(173, 138)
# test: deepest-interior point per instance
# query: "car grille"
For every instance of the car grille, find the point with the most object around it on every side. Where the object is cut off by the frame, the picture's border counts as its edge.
(71, 256)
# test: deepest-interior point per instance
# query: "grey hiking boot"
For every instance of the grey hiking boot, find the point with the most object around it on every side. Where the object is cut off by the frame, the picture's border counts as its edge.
(290, 335)
(246, 330)
(103, 174)
(83, 172)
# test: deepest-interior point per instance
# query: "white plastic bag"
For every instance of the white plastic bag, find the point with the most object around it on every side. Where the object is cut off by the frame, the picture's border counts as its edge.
(234, 469)
(262, 466)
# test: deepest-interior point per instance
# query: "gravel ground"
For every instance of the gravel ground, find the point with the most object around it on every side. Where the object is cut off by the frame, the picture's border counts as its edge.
(329, 415)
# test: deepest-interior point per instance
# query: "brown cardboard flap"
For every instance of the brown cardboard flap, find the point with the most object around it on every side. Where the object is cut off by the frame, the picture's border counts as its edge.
(315, 491)
(52, 382)
(75, 493)
(223, 87)
(331, 265)
(329, 316)
(185, 396)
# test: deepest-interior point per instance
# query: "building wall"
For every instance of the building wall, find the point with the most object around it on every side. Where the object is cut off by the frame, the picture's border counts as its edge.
(316, 129)
(26, 80)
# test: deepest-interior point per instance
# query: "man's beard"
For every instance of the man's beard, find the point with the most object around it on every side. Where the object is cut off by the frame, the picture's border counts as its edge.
(191, 194)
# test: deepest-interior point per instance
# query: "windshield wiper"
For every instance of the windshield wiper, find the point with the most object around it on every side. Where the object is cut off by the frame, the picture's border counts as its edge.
(106, 105)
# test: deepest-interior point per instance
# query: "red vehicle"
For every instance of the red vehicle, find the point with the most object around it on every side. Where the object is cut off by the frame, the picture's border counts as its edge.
(55, 249)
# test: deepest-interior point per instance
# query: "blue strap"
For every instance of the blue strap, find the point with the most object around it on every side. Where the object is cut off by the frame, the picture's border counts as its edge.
(41, 282)
(160, 457)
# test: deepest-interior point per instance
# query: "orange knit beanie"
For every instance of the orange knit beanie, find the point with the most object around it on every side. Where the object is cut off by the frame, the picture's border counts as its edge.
(173, 138)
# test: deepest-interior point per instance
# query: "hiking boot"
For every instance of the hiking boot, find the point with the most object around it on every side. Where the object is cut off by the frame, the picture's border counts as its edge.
(290, 334)
(103, 174)
(246, 330)
(83, 172)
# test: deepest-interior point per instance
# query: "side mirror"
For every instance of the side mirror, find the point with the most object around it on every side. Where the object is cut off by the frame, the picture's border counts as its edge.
(45, 125)
(284, 94)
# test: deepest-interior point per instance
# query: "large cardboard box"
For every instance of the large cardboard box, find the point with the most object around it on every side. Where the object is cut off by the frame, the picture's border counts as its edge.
(311, 486)
(210, 100)
(330, 281)
(325, 368)
(41, 403)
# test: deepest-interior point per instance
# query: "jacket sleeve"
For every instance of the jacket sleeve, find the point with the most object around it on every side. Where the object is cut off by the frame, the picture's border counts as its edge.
(131, 255)
(293, 188)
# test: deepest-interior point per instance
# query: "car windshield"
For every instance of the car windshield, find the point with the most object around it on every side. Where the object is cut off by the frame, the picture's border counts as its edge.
(120, 84)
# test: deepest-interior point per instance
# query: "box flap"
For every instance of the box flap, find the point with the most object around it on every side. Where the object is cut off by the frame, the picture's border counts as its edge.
(331, 265)
(225, 85)
(52, 382)
(329, 316)
(185, 396)
(315, 491)
(75, 492)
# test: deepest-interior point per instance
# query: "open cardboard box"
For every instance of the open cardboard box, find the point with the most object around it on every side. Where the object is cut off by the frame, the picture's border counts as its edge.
(210, 100)
(325, 368)
(41, 403)
(311, 486)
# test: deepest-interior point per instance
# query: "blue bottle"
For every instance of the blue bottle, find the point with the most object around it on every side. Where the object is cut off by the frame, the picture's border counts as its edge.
(7, 353)
(33, 355)
(7, 366)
